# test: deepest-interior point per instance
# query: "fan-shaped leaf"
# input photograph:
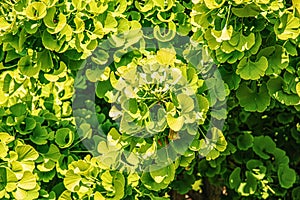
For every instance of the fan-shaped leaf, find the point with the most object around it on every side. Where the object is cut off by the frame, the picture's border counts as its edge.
(36, 10)
(64, 137)
(251, 100)
(252, 70)
(286, 176)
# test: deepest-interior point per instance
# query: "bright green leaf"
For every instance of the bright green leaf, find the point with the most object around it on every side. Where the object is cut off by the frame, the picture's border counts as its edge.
(18, 109)
(27, 67)
(36, 10)
(40, 135)
(28, 181)
(249, 70)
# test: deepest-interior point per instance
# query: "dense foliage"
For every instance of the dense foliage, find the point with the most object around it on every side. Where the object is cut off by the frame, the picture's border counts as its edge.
(116, 99)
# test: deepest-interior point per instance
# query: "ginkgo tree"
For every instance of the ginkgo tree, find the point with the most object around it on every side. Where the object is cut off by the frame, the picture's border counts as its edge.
(157, 99)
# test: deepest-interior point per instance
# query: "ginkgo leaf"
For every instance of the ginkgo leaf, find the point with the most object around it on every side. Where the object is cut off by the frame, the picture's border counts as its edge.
(253, 100)
(119, 189)
(249, 70)
(286, 176)
(18, 109)
(263, 146)
(175, 123)
(298, 88)
(245, 141)
(245, 42)
(36, 10)
(235, 178)
(186, 103)
(53, 153)
(98, 74)
(224, 34)
(51, 42)
(79, 23)
(79, 5)
(64, 137)
(221, 142)
(275, 88)
(277, 57)
(31, 27)
(45, 61)
(287, 27)
(148, 180)
(6, 138)
(161, 35)
(27, 67)
(296, 4)
(249, 10)
(57, 24)
(72, 181)
(211, 40)
(66, 195)
(161, 175)
(8, 179)
(166, 56)
(99, 196)
(26, 153)
(144, 7)
(3, 150)
(4, 25)
(213, 4)
(28, 181)
(110, 23)
(95, 7)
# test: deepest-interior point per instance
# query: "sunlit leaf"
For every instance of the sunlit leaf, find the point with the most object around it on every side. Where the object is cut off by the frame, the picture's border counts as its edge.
(166, 56)
(28, 181)
(26, 153)
(287, 27)
(27, 67)
(4, 25)
(36, 10)
(175, 123)
(213, 4)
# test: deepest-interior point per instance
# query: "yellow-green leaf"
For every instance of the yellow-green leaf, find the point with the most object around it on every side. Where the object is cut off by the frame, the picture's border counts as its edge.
(298, 88)
(249, 70)
(166, 56)
(36, 11)
(4, 25)
(28, 181)
(175, 123)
